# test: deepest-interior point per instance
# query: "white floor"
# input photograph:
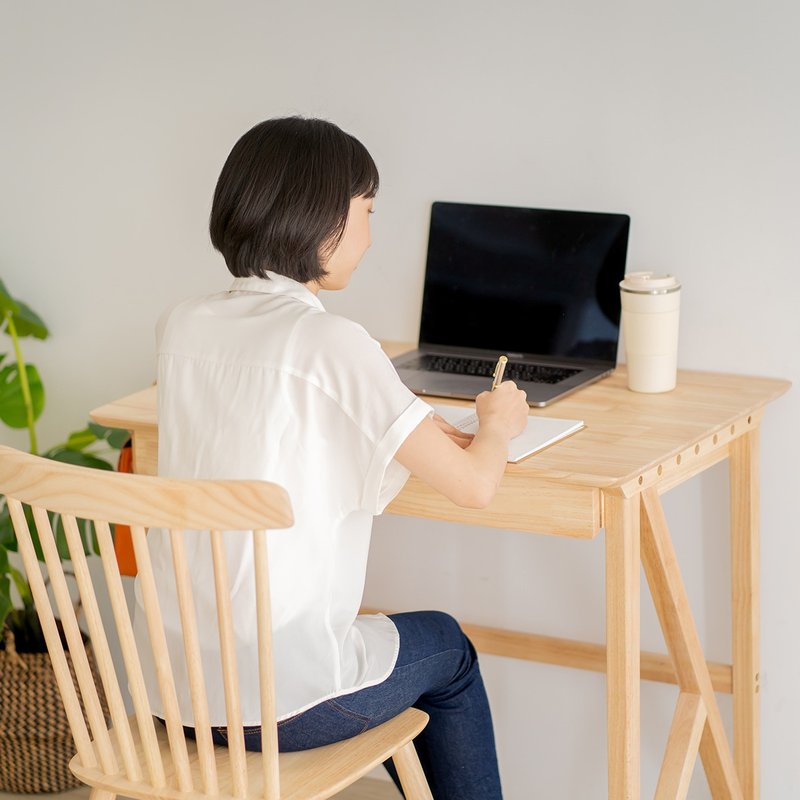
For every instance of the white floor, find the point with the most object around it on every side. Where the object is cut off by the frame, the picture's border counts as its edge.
(365, 789)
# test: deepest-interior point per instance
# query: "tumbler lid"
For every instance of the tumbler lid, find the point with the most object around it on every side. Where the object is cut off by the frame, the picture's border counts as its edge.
(649, 283)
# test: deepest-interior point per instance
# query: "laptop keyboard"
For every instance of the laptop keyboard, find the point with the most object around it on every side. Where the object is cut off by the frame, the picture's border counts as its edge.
(484, 368)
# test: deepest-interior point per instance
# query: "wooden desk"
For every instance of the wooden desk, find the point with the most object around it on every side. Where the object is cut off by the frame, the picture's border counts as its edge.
(611, 475)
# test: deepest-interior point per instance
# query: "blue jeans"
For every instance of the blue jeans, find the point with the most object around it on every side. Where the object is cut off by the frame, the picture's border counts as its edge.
(437, 672)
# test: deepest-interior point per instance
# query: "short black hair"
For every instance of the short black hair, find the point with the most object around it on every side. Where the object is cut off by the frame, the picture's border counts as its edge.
(283, 196)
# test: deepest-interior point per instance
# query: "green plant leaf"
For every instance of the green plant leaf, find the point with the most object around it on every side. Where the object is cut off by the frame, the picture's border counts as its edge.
(37, 545)
(85, 533)
(12, 405)
(80, 440)
(95, 540)
(91, 545)
(7, 302)
(100, 431)
(60, 536)
(116, 437)
(5, 586)
(88, 537)
(8, 538)
(29, 323)
(26, 320)
(78, 458)
(23, 587)
(5, 599)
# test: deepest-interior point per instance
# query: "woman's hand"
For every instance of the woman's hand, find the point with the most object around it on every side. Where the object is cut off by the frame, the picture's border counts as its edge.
(469, 472)
(459, 437)
(506, 408)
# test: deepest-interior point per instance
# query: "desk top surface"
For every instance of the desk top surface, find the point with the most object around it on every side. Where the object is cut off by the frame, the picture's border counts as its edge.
(627, 436)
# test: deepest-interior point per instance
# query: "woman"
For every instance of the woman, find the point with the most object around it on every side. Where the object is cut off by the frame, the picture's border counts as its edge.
(261, 382)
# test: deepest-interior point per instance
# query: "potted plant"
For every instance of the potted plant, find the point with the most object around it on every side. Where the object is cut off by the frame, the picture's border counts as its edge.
(35, 743)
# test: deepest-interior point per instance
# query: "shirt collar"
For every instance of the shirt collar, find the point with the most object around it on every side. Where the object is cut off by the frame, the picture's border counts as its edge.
(277, 284)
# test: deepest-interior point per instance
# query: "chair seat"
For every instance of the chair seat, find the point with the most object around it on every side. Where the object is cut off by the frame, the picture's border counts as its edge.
(305, 775)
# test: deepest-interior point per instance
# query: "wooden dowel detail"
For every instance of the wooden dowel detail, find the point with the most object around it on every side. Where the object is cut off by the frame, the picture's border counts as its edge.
(72, 633)
(409, 770)
(101, 649)
(194, 666)
(66, 686)
(130, 656)
(269, 729)
(230, 676)
(158, 642)
(682, 745)
(695, 465)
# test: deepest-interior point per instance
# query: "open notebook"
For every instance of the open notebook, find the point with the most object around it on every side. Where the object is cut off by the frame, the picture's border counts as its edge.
(540, 432)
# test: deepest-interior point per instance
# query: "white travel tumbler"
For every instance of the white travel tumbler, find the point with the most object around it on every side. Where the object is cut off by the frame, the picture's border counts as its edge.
(650, 311)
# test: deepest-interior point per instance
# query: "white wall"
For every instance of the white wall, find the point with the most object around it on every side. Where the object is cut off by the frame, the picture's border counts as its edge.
(115, 120)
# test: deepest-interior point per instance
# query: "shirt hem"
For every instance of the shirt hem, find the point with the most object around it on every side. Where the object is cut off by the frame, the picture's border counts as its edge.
(352, 689)
(157, 711)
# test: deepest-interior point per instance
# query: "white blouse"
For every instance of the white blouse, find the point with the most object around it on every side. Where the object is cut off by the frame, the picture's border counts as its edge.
(261, 382)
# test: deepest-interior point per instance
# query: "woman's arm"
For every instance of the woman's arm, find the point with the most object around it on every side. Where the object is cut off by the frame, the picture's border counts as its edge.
(468, 476)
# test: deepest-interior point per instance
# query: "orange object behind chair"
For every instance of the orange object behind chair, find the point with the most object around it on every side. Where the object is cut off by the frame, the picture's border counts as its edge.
(123, 542)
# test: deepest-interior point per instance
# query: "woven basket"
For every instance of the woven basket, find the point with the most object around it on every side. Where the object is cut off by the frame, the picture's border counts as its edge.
(35, 741)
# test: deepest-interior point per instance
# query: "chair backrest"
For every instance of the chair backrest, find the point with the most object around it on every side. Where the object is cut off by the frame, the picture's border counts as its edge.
(142, 502)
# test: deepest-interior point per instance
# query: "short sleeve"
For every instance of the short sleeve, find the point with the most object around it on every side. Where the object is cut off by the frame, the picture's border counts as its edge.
(165, 319)
(381, 408)
(385, 477)
(161, 326)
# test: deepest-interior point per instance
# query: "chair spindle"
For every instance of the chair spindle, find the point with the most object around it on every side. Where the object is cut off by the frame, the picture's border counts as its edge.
(269, 732)
(72, 704)
(230, 676)
(133, 667)
(101, 649)
(194, 665)
(74, 637)
(158, 643)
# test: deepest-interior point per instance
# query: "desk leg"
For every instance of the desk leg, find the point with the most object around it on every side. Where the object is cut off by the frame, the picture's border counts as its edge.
(622, 635)
(145, 452)
(745, 609)
(697, 711)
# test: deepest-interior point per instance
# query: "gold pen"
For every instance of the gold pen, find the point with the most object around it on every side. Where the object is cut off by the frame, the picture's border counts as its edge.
(499, 369)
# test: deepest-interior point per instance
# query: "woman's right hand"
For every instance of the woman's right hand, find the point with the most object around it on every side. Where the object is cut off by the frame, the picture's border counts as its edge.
(468, 475)
(505, 408)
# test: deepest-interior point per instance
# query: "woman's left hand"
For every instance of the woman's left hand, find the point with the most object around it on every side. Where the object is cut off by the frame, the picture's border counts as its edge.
(459, 437)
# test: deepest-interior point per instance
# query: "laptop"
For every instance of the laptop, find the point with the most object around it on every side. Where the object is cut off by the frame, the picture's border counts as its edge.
(540, 286)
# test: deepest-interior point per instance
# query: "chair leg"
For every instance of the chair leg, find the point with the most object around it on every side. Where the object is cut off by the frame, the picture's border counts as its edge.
(409, 770)
(101, 794)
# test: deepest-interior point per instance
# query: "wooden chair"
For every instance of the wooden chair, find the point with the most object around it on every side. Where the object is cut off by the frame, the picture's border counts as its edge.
(136, 757)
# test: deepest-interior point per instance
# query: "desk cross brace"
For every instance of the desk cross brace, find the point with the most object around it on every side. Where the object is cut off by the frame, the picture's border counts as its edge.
(697, 724)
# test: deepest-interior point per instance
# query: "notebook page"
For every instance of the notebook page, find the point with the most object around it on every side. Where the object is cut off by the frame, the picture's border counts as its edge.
(539, 433)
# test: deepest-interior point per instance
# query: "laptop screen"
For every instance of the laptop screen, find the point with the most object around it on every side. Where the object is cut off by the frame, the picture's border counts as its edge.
(524, 280)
